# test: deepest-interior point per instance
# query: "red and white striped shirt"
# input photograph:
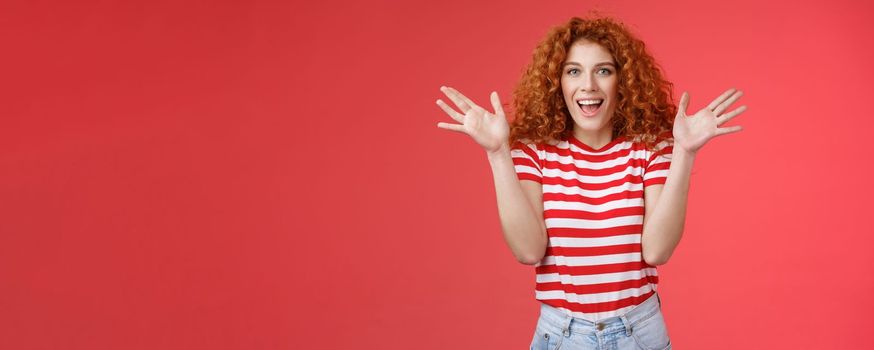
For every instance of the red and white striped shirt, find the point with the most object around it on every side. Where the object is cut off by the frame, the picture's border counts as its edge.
(593, 205)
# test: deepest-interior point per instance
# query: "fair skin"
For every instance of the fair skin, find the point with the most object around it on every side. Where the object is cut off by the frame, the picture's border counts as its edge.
(585, 75)
(589, 73)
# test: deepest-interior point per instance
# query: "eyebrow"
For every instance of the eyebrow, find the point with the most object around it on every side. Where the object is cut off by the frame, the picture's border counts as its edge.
(596, 65)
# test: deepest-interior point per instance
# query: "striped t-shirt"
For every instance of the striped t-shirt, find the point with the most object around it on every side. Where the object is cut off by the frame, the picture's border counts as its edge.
(593, 205)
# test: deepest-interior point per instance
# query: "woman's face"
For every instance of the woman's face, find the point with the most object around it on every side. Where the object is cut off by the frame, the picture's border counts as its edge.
(589, 84)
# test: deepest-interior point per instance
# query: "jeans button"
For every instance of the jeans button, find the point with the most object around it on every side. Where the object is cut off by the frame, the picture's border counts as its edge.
(600, 326)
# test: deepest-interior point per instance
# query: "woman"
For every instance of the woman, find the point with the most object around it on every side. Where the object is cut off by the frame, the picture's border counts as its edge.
(592, 180)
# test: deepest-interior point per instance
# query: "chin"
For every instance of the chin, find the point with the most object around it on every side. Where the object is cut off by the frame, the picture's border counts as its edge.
(591, 123)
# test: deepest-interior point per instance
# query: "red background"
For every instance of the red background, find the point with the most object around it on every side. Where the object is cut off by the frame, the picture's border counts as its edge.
(269, 175)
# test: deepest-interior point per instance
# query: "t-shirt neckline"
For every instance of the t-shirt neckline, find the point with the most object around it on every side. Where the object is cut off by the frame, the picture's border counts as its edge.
(616, 140)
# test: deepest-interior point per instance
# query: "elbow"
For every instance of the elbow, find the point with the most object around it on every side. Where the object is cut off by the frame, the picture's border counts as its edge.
(656, 259)
(531, 258)
(528, 259)
(532, 253)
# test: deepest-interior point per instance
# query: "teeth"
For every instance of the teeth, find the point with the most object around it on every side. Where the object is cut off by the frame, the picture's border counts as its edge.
(589, 102)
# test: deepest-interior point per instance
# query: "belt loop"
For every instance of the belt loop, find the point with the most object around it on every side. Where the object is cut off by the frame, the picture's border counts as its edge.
(627, 325)
(566, 327)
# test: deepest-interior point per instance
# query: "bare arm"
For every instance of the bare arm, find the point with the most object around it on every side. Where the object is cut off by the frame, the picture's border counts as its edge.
(520, 204)
(520, 207)
(666, 205)
(666, 210)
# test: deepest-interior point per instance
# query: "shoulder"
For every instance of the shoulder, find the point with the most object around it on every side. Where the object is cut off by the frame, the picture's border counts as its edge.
(657, 144)
(539, 147)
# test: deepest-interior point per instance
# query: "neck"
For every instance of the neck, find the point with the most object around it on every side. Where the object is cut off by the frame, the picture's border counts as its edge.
(595, 139)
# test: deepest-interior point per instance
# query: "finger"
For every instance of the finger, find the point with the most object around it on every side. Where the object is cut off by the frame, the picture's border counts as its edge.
(496, 103)
(684, 103)
(718, 100)
(453, 95)
(464, 98)
(727, 116)
(727, 103)
(728, 130)
(452, 113)
(452, 127)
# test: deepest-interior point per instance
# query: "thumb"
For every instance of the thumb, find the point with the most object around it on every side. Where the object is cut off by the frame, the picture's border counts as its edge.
(684, 104)
(496, 103)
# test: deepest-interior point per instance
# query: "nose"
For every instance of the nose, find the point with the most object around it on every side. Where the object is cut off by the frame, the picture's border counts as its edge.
(587, 83)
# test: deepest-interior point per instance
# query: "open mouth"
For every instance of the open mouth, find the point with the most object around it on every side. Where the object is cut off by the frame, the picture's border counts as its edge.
(590, 107)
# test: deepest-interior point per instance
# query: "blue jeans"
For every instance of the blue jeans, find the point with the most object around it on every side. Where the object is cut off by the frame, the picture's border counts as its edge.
(641, 328)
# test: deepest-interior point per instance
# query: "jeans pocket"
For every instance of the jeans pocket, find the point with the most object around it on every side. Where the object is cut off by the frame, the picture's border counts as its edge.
(651, 333)
(544, 339)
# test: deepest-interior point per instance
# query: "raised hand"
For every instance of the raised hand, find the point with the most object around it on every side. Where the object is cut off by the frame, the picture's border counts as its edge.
(489, 130)
(692, 132)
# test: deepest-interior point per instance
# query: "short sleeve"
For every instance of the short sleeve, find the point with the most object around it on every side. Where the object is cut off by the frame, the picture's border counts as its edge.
(657, 164)
(527, 161)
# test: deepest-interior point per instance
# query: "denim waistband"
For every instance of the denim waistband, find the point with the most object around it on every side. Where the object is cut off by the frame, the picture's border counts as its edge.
(560, 322)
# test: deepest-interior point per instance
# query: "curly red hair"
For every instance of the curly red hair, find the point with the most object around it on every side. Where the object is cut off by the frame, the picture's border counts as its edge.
(645, 107)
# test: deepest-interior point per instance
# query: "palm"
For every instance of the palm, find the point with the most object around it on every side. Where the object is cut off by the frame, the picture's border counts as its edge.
(489, 130)
(692, 132)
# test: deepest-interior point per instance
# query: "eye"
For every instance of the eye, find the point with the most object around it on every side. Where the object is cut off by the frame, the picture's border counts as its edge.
(605, 70)
(572, 70)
